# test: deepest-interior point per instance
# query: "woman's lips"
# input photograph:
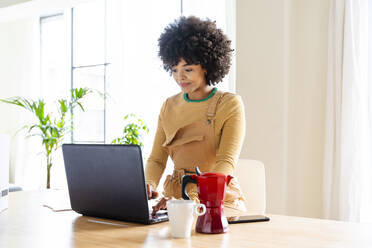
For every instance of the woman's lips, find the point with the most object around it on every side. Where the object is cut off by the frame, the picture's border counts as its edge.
(183, 85)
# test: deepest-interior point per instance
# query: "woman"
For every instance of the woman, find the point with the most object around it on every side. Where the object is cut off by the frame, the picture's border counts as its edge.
(201, 125)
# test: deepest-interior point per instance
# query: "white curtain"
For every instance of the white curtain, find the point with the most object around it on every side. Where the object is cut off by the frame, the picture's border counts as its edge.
(348, 142)
(19, 63)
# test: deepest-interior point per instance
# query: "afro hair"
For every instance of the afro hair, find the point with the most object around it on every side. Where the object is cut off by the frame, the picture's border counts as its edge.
(197, 42)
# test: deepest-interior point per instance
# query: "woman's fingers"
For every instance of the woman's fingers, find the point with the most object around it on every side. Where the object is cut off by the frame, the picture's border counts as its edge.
(149, 191)
(151, 194)
(162, 204)
(154, 194)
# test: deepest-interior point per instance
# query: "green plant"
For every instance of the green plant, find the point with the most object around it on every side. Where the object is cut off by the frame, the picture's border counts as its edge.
(51, 130)
(132, 132)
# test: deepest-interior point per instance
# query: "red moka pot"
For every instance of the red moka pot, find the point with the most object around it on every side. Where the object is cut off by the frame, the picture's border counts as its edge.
(211, 191)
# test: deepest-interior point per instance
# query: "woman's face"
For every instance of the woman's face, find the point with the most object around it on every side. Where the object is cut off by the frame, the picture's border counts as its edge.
(189, 77)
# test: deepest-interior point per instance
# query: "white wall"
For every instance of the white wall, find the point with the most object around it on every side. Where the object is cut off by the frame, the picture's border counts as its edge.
(281, 75)
(19, 49)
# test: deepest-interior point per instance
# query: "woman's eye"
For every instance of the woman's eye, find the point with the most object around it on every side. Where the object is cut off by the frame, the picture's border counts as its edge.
(174, 70)
(188, 70)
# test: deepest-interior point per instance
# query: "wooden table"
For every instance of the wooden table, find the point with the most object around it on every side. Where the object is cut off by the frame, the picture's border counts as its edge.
(28, 224)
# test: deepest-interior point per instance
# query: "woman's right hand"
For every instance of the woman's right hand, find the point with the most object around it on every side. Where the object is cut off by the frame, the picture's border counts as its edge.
(162, 204)
(151, 194)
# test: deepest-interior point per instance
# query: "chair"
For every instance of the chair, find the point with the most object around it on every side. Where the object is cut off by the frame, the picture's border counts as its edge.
(251, 177)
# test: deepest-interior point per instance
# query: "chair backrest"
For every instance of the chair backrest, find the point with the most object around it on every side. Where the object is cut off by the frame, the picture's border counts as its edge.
(251, 177)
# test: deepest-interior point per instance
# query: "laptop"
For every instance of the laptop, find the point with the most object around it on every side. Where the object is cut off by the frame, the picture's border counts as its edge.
(107, 181)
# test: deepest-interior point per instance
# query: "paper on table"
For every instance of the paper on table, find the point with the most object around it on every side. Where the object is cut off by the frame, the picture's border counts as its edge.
(57, 200)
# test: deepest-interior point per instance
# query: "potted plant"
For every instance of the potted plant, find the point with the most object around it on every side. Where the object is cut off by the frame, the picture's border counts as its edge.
(51, 129)
(132, 132)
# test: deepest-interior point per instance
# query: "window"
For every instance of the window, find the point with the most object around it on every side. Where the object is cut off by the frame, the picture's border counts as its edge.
(116, 53)
(89, 68)
(55, 73)
(54, 60)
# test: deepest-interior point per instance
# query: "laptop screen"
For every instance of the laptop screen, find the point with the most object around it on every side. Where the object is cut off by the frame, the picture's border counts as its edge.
(106, 181)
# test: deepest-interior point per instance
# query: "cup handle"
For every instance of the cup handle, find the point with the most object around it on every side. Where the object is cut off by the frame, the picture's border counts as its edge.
(196, 209)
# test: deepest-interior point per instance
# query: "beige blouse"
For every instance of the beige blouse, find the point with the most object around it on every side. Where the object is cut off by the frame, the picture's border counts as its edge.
(176, 112)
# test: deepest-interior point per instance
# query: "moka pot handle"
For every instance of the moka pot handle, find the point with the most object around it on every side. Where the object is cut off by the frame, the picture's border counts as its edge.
(185, 180)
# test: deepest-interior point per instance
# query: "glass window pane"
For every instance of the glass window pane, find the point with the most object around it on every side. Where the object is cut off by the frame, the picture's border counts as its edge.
(54, 59)
(89, 33)
(92, 78)
(89, 125)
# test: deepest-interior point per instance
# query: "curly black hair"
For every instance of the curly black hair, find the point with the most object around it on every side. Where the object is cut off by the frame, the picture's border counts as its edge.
(197, 42)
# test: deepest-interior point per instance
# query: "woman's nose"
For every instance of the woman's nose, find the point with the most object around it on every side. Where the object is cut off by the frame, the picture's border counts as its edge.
(181, 75)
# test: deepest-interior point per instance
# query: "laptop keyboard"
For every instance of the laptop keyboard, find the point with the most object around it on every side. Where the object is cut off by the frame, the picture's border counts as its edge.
(161, 215)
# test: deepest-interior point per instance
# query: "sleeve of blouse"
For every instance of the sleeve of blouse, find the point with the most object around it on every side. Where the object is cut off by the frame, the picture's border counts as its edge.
(232, 136)
(157, 160)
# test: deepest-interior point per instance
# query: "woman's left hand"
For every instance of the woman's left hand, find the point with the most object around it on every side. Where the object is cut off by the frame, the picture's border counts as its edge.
(162, 204)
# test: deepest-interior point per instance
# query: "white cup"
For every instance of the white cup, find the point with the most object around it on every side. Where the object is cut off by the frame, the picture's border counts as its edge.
(181, 215)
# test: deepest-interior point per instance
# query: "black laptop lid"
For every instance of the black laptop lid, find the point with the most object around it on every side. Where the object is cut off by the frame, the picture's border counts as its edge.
(106, 181)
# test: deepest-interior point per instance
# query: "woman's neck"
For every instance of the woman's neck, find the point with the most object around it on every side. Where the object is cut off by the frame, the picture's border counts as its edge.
(200, 93)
